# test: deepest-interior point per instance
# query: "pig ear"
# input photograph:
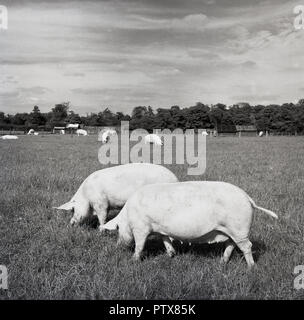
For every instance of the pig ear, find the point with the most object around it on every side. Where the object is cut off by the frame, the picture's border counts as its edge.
(111, 225)
(67, 206)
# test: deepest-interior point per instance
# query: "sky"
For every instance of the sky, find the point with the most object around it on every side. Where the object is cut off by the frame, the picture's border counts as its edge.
(125, 53)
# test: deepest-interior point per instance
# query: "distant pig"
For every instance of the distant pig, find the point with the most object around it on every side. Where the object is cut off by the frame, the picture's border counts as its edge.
(9, 137)
(207, 211)
(111, 187)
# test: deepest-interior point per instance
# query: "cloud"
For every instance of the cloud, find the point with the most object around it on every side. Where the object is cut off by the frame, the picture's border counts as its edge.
(74, 74)
(267, 98)
(248, 64)
(162, 52)
(192, 22)
(9, 94)
(34, 99)
(88, 91)
(37, 90)
(188, 23)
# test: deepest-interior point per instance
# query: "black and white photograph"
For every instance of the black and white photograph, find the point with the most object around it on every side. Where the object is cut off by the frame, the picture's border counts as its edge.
(151, 150)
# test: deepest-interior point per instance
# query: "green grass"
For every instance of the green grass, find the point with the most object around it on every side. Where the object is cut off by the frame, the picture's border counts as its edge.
(46, 259)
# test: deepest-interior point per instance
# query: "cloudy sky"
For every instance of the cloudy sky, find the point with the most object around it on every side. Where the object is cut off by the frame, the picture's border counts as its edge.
(125, 53)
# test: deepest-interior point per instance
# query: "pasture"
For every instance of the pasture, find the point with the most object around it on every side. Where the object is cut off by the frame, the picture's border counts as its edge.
(46, 259)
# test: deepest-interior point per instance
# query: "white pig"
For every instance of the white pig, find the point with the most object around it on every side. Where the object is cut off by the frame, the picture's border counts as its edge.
(206, 211)
(111, 187)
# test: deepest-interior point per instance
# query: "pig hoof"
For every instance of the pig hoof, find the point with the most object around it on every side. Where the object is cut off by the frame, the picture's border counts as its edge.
(171, 254)
(73, 222)
(136, 258)
(223, 260)
(251, 267)
(101, 229)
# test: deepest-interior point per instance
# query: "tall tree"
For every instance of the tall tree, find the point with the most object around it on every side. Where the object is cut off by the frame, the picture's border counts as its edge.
(178, 117)
(20, 118)
(216, 115)
(59, 114)
(138, 115)
(73, 117)
(36, 118)
(109, 117)
(2, 117)
(197, 117)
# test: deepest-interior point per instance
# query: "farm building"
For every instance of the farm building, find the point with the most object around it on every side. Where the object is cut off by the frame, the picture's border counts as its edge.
(72, 127)
(58, 130)
(69, 128)
(247, 131)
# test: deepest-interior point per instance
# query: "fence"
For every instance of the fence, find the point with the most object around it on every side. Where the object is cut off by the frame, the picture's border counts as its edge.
(22, 129)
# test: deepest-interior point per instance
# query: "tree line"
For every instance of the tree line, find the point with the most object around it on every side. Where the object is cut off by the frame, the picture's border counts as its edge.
(288, 117)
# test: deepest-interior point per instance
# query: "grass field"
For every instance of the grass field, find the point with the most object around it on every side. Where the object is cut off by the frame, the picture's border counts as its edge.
(46, 259)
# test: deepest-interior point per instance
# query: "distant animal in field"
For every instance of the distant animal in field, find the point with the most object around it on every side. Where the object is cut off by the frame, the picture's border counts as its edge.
(201, 211)
(261, 133)
(154, 139)
(81, 132)
(62, 131)
(33, 133)
(204, 133)
(9, 137)
(105, 136)
(111, 187)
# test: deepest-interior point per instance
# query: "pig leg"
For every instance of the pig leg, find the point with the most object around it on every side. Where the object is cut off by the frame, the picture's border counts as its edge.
(245, 246)
(100, 209)
(168, 245)
(140, 237)
(228, 251)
